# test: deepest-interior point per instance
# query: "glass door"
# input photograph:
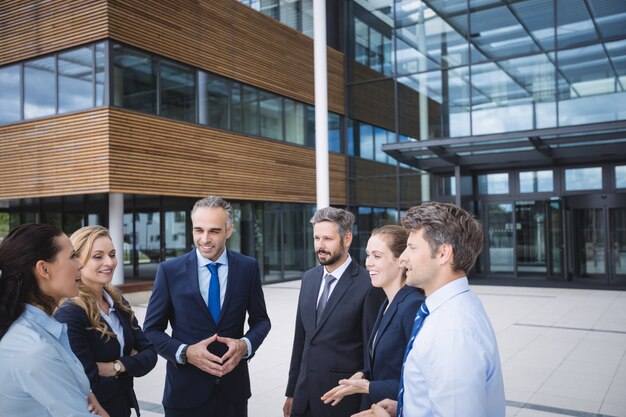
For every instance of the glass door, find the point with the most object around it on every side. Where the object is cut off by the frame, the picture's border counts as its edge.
(531, 237)
(500, 238)
(617, 244)
(589, 243)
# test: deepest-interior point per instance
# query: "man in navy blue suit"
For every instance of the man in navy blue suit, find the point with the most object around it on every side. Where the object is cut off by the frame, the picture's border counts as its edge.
(336, 311)
(204, 295)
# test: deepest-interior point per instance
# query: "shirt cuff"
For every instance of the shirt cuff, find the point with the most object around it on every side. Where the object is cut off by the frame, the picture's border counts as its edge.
(249, 345)
(180, 349)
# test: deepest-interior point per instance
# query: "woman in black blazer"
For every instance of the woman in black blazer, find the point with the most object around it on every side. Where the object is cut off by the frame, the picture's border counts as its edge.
(102, 328)
(393, 326)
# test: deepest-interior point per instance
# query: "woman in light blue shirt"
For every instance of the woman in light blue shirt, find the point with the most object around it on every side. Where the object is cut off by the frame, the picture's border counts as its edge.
(39, 374)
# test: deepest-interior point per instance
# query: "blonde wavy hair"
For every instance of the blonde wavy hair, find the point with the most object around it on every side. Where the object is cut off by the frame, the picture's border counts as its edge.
(83, 240)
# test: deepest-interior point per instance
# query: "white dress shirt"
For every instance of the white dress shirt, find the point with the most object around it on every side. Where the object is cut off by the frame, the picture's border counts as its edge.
(337, 273)
(113, 321)
(453, 369)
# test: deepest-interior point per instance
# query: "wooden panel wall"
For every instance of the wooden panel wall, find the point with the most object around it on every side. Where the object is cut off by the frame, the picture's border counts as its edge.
(228, 38)
(31, 28)
(112, 150)
(151, 155)
(56, 156)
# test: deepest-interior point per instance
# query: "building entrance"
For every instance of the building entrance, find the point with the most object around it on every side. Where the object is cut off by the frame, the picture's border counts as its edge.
(596, 226)
(524, 238)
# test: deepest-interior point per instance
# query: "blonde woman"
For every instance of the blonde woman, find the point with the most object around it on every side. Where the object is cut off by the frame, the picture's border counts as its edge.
(102, 328)
(392, 329)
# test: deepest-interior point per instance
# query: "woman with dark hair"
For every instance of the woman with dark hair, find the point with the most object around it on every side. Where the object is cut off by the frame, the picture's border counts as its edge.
(102, 328)
(39, 374)
(393, 326)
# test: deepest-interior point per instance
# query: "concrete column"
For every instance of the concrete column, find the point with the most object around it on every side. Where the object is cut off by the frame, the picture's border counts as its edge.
(116, 230)
(321, 104)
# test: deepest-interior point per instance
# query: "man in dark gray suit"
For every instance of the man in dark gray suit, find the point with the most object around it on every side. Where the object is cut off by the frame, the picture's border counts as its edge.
(336, 311)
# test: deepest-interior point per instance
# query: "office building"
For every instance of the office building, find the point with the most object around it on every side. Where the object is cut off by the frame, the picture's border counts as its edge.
(125, 113)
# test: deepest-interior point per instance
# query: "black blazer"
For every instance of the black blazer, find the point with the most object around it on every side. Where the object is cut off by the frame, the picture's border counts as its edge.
(116, 395)
(176, 300)
(384, 360)
(333, 350)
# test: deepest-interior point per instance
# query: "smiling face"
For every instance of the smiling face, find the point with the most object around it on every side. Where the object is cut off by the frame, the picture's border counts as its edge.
(210, 231)
(330, 248)
(422, 267)
(100, 264)
(385, 269)
(62, 275)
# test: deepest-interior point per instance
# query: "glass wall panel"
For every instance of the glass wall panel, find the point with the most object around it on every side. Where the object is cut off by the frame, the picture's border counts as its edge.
(73, 209)
(380, 139)
(271, 115)
(175, 233)
(147, 242)
(250, 109)
(177, 84)
(100, 74)
(51, 210)
(76, 72)
(134, 80)
(366, 141)
(10, 95)
(620, 176)
(583, 179)
(295, 121)
(530, 218)
(236, 116)
(493, 183)
(298, 250)
(536, 182)
(268, 217)
(213, 100)
(334, 132)
(39, 87)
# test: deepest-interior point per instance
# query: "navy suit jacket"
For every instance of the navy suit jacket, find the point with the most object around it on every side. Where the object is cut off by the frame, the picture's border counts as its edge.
(176, 300)
(384, 359)
(332, 350)
(116, 395)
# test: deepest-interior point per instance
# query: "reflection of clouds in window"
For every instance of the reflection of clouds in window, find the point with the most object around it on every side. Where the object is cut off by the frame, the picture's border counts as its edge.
(9, 94)
(75, 80)
(100, 63)
(39, 88)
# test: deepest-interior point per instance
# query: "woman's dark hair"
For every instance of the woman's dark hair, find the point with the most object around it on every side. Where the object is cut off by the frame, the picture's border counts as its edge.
(20, 251)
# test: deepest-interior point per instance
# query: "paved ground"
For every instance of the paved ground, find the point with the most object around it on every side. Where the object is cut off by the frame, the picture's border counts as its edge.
(563, 352)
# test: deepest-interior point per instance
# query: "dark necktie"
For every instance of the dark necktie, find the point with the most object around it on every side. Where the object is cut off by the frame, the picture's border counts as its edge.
(321, 305)
(214, 292)
(417, 325)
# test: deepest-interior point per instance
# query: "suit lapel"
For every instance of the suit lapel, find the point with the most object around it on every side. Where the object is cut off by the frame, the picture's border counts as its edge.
(309, 299)
(233, 266)
(340, 289)
(376, 329)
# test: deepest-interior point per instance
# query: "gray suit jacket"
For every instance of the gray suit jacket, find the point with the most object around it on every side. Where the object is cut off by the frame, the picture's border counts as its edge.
(332, 350)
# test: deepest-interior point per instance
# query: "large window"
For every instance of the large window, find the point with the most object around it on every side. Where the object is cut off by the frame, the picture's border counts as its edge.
(213, 100)
(76, 79)
(134, 80)
(10, 94)
(39, 87)
(583, 179)
(177, 91)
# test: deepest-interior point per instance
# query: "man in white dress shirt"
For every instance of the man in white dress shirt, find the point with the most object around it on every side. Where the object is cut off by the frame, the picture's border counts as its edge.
(453, 367)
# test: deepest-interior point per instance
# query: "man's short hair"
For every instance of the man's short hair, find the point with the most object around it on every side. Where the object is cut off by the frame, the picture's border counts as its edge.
(214, 201)
(342, 218)
(449, 224)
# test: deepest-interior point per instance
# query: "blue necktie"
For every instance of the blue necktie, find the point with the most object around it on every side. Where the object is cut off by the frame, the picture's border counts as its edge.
(417, 325)
(214, 292)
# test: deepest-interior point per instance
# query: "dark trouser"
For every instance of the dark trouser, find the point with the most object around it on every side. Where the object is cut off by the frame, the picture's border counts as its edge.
(307, 412)
(217, 405)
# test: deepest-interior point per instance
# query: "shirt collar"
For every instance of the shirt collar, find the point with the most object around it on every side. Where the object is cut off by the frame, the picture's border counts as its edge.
(39, 317)
(203, 262)
(447, 292)
(337, 273)
(109, 300)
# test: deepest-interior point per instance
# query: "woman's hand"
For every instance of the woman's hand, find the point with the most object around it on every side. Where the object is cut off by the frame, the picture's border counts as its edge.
(106, 368)
(355, 385)
(94, 407)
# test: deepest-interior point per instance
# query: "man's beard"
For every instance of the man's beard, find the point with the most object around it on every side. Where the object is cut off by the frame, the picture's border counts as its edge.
(332, 259)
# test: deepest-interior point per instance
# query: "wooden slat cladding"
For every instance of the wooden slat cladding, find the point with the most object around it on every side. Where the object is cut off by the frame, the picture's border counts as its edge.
(56, 156)
(228, 38)
(30, 28)
(151, 155)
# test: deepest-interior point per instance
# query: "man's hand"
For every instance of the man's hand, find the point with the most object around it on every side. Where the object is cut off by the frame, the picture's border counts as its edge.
(287, 406)
(94, 407)
(384, 408)
(237, 349)
(201, 358)
(355, 385)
